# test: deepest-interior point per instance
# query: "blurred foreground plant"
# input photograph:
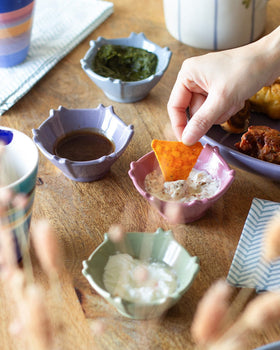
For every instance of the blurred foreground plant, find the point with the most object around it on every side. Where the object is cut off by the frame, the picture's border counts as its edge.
(31, 320)
(217, 324)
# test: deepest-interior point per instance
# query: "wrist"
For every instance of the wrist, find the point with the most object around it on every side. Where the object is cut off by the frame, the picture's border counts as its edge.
(268, 56)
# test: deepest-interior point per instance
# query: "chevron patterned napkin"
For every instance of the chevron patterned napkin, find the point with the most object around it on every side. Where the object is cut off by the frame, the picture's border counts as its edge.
(58, 27)
(247, 268)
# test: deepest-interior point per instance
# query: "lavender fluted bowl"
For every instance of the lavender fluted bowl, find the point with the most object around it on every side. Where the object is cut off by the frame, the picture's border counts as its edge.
(127, 91)
(64, 121)
(209, 160)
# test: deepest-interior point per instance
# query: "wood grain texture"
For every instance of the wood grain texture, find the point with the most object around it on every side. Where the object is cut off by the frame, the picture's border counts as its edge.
(82, 212)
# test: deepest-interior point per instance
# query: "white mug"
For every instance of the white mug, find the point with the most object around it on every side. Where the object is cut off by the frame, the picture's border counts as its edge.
(215, 24)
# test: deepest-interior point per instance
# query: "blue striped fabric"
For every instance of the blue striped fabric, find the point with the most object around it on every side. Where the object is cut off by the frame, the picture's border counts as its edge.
(247, 268)
(58, 27)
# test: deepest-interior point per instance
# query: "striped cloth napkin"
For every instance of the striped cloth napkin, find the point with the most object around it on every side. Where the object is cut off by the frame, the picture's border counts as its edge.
(59, 26)
(248, 268)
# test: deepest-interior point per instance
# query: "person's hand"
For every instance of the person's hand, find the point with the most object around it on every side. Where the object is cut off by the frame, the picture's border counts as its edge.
(215, 86)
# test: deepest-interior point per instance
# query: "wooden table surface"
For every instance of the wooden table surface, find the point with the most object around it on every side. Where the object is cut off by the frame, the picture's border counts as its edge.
(82, 212)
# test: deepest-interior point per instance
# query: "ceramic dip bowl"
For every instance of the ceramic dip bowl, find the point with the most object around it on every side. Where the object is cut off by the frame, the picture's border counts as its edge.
(209, 160)
(65, 121)
(126, 91)
(159, 246)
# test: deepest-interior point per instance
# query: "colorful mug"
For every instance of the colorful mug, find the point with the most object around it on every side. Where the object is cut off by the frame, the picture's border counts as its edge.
(15, 30)
(18, 173)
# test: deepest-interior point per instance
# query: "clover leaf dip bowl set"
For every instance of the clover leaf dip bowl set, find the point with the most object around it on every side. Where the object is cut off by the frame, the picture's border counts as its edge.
(158, 251)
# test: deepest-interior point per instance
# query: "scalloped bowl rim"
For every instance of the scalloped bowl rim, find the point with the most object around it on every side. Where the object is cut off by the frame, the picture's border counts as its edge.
(101, 41)
(177, 294)
(61, 160)
(223, 187)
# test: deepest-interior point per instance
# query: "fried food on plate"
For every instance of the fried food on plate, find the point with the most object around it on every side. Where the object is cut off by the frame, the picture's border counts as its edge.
(267, 100)
(239, 122)
(261, 142)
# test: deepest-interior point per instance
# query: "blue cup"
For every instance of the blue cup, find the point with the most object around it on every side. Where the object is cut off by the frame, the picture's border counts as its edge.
(13, 5)
(16, 17)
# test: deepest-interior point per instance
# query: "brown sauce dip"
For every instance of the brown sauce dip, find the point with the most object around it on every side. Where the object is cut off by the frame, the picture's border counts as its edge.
(83, 145)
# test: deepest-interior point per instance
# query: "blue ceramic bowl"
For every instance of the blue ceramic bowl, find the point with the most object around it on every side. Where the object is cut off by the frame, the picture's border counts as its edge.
(127, 91)
(64, 121)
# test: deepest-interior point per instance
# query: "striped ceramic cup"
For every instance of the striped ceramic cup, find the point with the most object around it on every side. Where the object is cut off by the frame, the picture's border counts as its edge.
(215, 24)
(18, 173)
(15, 30)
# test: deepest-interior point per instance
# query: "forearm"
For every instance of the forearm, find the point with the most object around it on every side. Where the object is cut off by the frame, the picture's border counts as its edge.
(215, 86)
(267, 54)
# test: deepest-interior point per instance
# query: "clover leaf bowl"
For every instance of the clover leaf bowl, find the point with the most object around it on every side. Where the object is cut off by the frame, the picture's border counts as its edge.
(209, 160)
(159, 246)
(63, 121)
(126, 91)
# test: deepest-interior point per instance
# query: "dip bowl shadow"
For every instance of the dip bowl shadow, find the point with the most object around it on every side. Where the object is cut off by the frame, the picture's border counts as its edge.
(209, 160)
(159, 246)
(126, 91)
(64, 121)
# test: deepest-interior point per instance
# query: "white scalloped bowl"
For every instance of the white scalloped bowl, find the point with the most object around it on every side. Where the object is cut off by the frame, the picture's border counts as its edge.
(209, 160)
(64, 121)
(127, 91)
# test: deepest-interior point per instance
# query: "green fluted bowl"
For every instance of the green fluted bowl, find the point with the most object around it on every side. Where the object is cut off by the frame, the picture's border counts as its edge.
(159, 246)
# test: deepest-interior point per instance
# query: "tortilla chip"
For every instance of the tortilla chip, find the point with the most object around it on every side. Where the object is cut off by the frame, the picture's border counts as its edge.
(175, 159)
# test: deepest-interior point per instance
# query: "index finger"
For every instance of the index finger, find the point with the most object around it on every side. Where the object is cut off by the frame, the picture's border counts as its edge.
(179, 100)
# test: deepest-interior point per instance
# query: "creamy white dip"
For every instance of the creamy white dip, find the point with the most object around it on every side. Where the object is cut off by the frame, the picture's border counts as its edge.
(198, 185)
(138, 281)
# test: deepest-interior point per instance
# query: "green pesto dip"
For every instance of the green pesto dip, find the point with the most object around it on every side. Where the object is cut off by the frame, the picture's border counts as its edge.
(126, 63)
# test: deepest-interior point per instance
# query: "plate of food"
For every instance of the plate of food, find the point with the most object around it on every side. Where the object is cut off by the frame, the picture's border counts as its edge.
(271, 346)
(250, 140)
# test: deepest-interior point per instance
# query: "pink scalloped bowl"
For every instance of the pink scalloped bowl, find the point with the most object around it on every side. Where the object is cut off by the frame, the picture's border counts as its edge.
(209, 160)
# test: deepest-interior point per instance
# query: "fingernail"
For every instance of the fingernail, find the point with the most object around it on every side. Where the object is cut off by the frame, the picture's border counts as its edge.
(187, 139)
